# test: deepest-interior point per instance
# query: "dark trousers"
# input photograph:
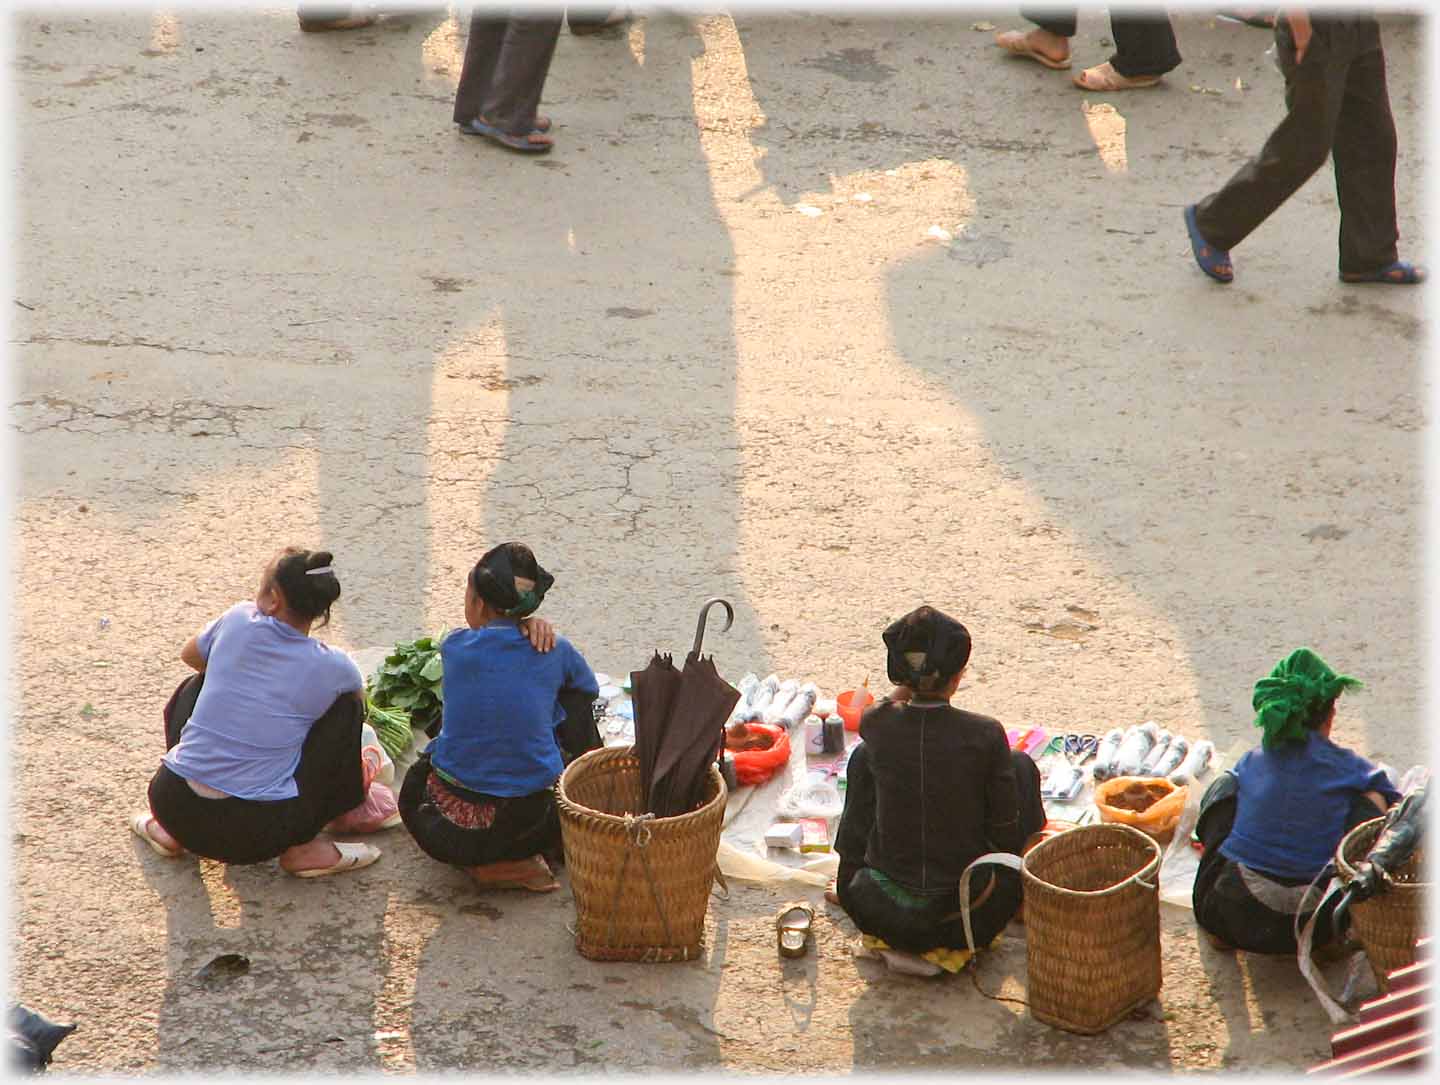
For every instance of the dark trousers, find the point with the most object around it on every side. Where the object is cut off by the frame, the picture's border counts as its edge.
(1337, 105)
(1225, 906)
(329, 779)
(506, 62)
(1144, 44)
(925, 920)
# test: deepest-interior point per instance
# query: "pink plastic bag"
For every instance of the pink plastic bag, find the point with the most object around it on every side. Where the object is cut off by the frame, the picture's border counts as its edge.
(370, 816)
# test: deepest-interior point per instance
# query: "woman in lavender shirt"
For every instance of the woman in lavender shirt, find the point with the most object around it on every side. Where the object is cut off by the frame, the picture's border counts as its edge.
(264, 741)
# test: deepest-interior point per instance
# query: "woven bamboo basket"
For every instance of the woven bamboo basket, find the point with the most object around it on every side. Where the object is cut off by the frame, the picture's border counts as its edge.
(1092, 921)
(1388, 923)
(641, 884)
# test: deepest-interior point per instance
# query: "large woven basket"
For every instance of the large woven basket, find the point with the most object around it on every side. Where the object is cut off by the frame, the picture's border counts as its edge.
(1388, 923)
(1092, 920)
(641, 884)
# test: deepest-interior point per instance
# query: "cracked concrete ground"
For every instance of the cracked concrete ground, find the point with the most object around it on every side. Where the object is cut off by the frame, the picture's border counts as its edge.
(265, 293)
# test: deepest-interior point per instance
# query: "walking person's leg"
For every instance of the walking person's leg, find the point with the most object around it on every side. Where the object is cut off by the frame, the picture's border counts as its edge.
(512, 99)
(1314, 90)
(1365, 151)
(1144, 45)
(1048, 43)
(482, 51)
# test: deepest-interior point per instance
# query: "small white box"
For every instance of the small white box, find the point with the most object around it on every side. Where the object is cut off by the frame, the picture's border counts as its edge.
(783, 834)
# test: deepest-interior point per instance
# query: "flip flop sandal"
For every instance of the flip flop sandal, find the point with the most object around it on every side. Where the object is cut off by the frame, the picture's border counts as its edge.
(352, 857)
(477, 127)
(1014, 43)
(138, 825)
(909, 964)
(1400, 273)
(1103, 77)
(1213, 262)
(1255, 19)
(792, 928)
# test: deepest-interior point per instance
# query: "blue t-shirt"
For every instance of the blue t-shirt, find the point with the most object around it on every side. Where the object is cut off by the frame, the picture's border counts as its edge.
(266, 683)
(502, 708)
(1292, 804)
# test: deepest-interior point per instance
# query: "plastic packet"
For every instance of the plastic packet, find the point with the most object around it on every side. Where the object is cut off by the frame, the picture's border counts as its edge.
(1152, 759)
(761, 696)
(800, 705)
(1196, 762)
(776, 709)
(1105, 755)
(813, 797)
(1133, 750)
(1174, 754)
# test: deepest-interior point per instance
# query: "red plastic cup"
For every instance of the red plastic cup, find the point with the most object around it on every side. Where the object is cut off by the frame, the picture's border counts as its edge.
(851, 708)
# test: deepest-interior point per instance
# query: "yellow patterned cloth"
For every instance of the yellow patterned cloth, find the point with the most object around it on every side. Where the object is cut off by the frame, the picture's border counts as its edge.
(952, 960)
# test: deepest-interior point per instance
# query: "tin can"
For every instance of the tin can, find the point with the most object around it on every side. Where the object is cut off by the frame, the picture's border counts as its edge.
(814, 735)
(833, 735)
(727, 771)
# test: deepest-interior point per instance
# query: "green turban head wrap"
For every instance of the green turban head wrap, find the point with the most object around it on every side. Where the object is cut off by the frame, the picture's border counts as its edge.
(1300, 686)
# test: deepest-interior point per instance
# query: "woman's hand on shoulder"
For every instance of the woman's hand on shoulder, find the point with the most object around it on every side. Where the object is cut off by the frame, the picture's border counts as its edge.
(191, 657)
(539, 632)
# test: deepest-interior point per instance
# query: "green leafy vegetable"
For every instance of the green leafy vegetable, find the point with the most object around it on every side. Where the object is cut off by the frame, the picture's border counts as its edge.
(392, 727)
(409, 682)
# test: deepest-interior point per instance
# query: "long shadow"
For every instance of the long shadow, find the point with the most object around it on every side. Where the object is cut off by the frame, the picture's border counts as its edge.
(298, 940)
(1253, 482)
(617, 450)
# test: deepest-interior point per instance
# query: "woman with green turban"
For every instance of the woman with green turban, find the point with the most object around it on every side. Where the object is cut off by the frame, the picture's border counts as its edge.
(1271, 825)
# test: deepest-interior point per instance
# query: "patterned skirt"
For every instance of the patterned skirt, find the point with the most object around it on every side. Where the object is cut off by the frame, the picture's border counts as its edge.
(465, 828)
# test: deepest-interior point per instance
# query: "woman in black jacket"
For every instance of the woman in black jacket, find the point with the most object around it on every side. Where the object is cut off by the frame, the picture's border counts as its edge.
(930, 789)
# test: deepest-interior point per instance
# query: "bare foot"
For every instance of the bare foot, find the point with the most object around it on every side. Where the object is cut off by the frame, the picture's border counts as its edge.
(315, 854)
(155, 831)
(533, 874)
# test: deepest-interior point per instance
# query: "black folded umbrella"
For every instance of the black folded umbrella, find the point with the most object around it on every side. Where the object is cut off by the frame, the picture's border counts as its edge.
(691, 740)
(652, 692)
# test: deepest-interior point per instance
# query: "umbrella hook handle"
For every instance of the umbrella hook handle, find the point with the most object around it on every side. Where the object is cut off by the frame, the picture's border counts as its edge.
(704, 612)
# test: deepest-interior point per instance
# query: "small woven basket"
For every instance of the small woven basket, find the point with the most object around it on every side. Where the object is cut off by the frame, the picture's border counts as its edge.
(1092, 921)
(641, 883)
(1389, 923)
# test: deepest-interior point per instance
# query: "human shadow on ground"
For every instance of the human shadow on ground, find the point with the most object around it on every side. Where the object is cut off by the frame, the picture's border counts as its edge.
(1196, 450)
(265, 970)
(484, 992)
(607, 438)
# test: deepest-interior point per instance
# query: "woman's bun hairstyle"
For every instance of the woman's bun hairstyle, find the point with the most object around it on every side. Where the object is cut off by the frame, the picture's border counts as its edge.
(309, 583)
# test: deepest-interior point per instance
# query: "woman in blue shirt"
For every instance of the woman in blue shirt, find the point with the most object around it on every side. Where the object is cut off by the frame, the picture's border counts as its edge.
(1271, 825)
(264, 741)
(481, 796)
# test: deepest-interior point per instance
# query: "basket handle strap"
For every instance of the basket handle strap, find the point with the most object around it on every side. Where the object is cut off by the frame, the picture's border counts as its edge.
(720, 877)
(999, 858)
(1305, 937)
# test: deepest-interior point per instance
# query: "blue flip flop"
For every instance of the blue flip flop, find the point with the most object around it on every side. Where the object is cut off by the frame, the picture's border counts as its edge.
(477, 127)
(1400, 273)
(1210, 259)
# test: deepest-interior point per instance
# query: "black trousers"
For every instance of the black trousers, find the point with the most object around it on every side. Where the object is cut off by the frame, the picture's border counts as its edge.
(329, 778)
(1144, 43)
(506, 62)
(512, 828)
(1337, 105)
(923, 921)
(1226, 907)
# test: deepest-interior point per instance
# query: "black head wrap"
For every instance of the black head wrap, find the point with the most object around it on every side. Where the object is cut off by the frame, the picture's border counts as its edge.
(923, 644)
(493, 579)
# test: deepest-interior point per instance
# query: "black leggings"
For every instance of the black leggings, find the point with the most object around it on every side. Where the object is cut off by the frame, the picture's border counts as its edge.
(918, 922)
(1226, 907)
(329, 778)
